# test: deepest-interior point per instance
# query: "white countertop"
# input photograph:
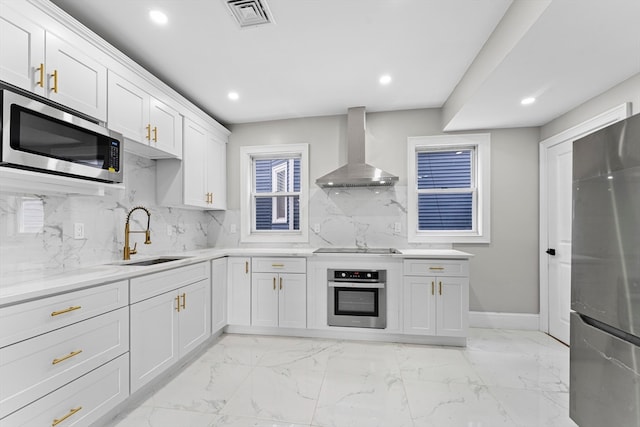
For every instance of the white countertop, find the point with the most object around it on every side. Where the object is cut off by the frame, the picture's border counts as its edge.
(31, 285)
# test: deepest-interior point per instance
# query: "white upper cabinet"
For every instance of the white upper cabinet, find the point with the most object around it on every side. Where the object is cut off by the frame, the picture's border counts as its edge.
(199, 180)
(66, 71)
(153, 128)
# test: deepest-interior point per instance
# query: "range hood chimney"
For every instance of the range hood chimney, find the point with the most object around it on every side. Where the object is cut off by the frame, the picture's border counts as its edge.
(356, 173)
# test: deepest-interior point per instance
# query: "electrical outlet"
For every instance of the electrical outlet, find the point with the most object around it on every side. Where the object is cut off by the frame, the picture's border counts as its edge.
(316, 228)
(169, 230)
(233, 229)
(397, 227)
(78, 230)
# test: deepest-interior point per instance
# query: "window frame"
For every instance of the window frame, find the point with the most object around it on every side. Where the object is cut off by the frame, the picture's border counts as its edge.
(481, 164)
(247, 181)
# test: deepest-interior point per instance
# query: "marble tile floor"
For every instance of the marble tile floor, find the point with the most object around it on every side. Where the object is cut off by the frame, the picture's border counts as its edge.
(502, 378)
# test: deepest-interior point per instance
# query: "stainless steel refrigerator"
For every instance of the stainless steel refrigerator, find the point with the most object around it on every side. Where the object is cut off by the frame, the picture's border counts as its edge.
(605, 283)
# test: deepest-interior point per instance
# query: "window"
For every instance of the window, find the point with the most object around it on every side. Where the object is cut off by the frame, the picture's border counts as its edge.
(274, 181)
(448, 198)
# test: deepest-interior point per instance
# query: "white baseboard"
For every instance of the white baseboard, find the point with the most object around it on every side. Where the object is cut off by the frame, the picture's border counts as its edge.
(487, 319)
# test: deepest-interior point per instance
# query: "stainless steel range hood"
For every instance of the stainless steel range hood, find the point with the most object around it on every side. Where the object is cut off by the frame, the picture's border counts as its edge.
(356, 173)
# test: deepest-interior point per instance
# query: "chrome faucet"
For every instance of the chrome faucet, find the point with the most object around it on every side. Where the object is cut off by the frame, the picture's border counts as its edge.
(147, 234)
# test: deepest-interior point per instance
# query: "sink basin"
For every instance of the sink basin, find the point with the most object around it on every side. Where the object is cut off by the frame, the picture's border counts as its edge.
(153, 261)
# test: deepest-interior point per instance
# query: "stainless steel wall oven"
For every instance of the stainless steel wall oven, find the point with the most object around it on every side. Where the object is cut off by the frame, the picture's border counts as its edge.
(357, 298)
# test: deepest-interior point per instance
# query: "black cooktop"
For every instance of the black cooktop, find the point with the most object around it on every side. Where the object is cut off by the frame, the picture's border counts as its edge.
(374, 251)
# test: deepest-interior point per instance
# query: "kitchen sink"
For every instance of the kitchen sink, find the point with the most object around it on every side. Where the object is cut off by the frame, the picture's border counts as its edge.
(153, 261)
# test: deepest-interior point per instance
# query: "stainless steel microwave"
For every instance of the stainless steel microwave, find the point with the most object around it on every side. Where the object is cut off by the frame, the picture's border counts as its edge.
(40, 137)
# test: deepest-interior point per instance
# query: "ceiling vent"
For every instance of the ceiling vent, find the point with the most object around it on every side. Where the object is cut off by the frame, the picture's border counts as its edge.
(249, 13)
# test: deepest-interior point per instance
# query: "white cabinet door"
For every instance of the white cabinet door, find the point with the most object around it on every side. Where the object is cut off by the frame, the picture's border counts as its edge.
(128, 110)
(419, 305)
(194, 317)
(154, 335)
(21, 52)
(239, 290)
(166, 128)
(452, 306)
(292, 300)
(194, 161)
(264, 299)
(217, 173)
(75, 79)
(218, 294)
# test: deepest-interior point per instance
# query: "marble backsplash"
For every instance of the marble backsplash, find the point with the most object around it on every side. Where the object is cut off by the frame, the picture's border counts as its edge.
(353, 217)
(52, 247)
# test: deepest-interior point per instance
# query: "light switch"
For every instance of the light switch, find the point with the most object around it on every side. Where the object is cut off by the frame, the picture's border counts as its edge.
(78, 230)
(233, 229)
(397, 227)
(169, 230)
(316, 228)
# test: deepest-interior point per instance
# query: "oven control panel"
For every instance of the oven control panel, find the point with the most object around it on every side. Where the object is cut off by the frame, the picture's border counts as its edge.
(357, 275)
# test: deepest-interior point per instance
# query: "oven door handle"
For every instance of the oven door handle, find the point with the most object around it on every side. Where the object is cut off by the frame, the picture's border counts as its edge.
(361, 285)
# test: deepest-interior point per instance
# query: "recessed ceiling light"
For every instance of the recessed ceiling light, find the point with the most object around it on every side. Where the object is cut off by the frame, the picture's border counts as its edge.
(528, 101)
(233, 96)
(385, 80)
(158, 17)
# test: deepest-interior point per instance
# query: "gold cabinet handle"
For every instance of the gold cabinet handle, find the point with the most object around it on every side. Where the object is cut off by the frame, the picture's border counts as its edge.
(433, 285)
(177, 303)
(155, 134)
(277, 265)
(41, 70)
(55, 81)
(184, 301)
(281, 283)
(211, 198)
(66, 310)
(440, 288)
(246, 267)
(436, 268)
(148, 127)
(274, 283)
(68, 356)
(57, 421)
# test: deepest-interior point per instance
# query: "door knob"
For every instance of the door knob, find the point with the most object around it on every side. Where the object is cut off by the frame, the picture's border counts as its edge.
(551, 251)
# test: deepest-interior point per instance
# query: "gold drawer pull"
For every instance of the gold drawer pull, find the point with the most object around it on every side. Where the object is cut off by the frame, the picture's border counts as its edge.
(281, 283)
(59, 420)
(148, 127)
(184, 301)
(55, 81)
(66, 310)
(274, 283)
(41, 80)
(155, 134)
(436, 268)
(440, 286)
(433, 284)
(277, 265)
(246, 267)
(178, 303)
(68, 356)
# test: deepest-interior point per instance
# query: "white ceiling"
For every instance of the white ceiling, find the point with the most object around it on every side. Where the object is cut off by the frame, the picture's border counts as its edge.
(475, 58)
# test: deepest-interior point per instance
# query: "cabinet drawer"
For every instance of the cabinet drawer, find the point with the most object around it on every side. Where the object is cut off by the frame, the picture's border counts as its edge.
(279, 265)
(158, 283)
(81, 402)
(435, 267)
(35, 367)
(21, 321)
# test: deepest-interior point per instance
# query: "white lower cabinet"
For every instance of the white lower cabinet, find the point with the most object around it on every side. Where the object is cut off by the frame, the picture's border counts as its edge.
(166, 327)
(436, 297)
(79, 403)
(51, 346)
(279, 298)
(239, 290)
(218, 294)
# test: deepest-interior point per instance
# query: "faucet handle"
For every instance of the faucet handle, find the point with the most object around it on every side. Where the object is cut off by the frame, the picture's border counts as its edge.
(133, 251)
(147, 237)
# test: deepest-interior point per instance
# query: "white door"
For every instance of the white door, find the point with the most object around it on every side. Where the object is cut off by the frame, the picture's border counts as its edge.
(194, 318)
(292, 302)
(239, 291)
(452, 306)
(559, 187)
(128, 109)
(193, 160)
(218, 294)
(166, 127)
(264, 299)
(419, 305)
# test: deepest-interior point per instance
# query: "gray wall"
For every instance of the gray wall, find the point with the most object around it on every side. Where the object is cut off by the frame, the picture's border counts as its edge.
(505, 272)
(627, 91)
